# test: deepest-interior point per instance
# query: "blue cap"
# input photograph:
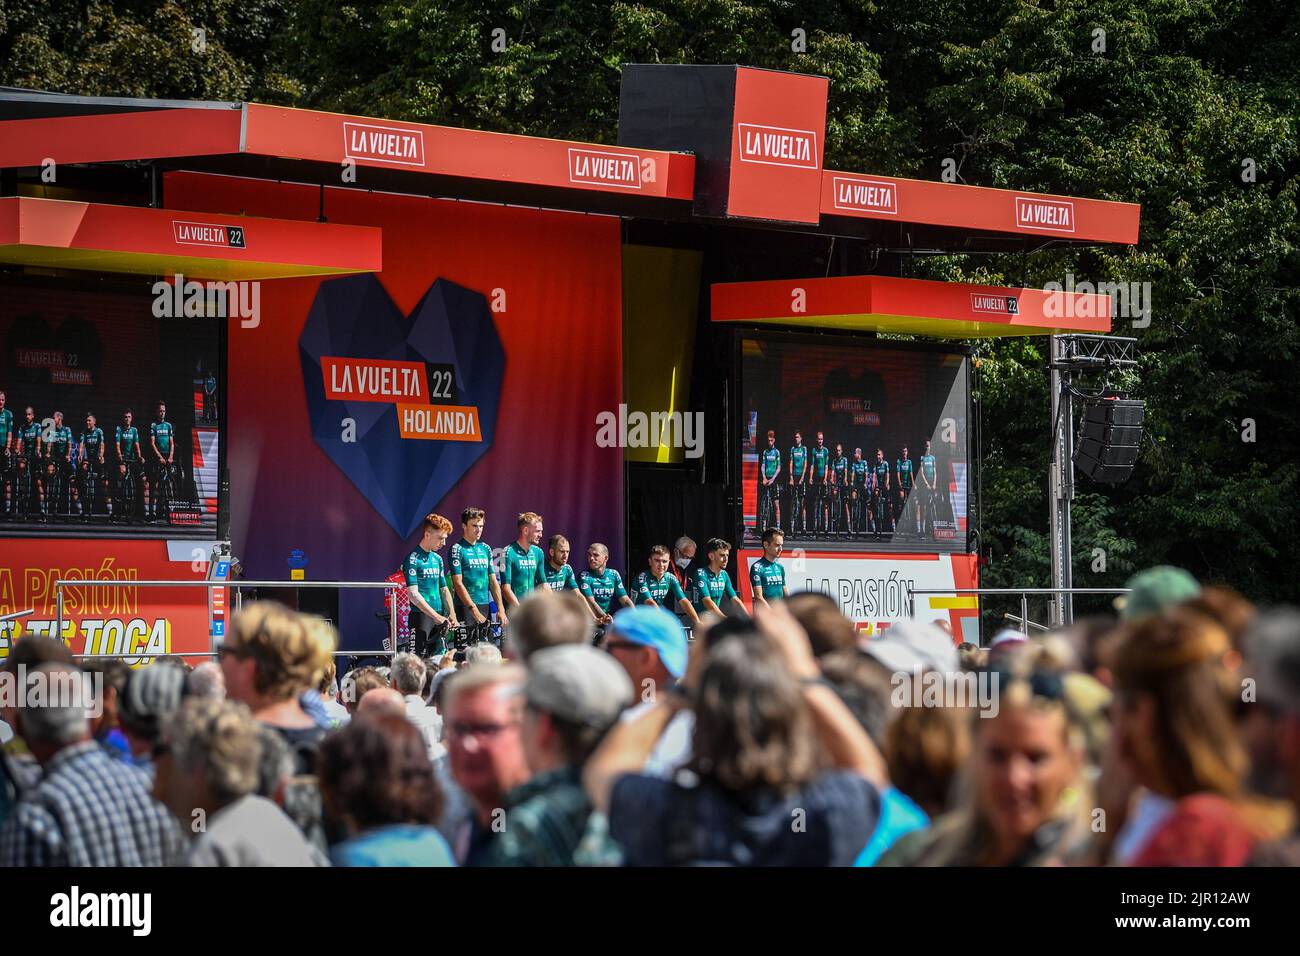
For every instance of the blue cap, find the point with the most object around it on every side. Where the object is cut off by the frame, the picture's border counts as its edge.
(656, 628)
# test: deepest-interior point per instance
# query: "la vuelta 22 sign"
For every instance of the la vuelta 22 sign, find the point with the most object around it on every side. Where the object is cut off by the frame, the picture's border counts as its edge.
(404, 406)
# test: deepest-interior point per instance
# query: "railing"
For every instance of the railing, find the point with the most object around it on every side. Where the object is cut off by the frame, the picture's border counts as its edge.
(60, 584)
(1023, 620)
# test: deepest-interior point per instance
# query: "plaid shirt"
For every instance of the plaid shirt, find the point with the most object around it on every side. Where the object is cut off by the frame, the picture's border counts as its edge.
(89, 810)
(546, 819)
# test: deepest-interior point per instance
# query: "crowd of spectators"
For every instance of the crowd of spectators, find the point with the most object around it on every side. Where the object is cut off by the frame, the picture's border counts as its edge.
(1166, 735)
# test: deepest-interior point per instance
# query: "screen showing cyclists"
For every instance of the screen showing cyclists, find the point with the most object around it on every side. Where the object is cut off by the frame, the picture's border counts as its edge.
(125, 423)
(886, 466)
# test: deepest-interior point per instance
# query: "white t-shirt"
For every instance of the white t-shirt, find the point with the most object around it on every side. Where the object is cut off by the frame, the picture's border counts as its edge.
(252, 831)
(673, 748)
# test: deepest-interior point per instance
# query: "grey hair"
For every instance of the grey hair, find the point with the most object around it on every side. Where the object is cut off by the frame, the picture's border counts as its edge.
(60, 718)
(407, 674)
(1272, 646)
(683, 543)
(483, 653)
(220, 738)
(207, 681)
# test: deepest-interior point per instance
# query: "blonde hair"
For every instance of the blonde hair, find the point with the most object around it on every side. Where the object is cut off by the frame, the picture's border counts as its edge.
(291, 650)
(529, 517)
(220, 738)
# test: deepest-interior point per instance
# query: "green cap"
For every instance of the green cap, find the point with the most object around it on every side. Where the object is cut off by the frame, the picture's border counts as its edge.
(1155, 589)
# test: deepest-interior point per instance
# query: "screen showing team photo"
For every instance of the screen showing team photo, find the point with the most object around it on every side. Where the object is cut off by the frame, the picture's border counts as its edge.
(847, 443)
(110, 415)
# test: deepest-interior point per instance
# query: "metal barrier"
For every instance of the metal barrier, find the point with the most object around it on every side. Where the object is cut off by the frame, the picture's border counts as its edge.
(60, 584)
(1024, 593)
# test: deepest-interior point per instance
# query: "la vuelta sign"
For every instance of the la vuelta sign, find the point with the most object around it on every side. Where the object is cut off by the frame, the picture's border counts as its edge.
(775, 146)
(393, 145)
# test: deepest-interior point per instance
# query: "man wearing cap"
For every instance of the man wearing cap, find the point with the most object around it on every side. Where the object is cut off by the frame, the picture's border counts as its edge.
(652, 648)
(573, 695)
(1155, 590)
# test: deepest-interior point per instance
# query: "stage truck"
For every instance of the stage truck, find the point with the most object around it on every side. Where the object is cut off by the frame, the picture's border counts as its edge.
(284, 337)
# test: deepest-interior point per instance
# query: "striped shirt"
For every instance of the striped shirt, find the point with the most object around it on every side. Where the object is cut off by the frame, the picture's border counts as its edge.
(89, 810)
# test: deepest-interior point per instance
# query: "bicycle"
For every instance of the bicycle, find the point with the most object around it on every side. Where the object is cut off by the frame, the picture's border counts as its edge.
(164, 492)
(129, 491)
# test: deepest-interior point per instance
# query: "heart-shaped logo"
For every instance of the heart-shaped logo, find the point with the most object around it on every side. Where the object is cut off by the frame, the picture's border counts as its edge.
(449, 340)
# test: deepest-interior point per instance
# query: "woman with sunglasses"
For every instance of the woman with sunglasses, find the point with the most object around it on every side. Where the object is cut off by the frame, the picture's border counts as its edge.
(1025, 799)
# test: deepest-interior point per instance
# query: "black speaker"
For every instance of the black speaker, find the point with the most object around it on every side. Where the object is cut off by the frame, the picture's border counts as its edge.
(1109, 438)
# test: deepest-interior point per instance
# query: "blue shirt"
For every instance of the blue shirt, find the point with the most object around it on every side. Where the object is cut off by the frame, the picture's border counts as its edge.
(899, 816)
(401, 844)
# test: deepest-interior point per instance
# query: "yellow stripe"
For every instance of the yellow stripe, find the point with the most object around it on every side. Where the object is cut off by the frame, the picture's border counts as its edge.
(954, 603)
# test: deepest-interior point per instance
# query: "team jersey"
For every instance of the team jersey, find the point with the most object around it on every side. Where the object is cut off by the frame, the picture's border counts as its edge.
(798, 459)
(858, 473)
(473, 562)
(6, 426)
(128, 439)
(561, 579)
(716, 587)
(646, 588)
(881, 468)
(770, 462)
(94, 442)
(840, 467)
(524, 568)
(602, 588)
(161, 433)
(820, 459)
(423, 570)
(768, 578)
(903, 468)
(927, 468)
(29, 435)
(58, 445)
(210, 384)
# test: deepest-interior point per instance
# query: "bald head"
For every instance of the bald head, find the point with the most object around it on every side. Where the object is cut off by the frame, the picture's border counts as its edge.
(380, 702)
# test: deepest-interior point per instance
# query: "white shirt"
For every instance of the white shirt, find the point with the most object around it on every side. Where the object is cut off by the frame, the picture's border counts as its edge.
(252, 831)
(672, 750)
(428, 721)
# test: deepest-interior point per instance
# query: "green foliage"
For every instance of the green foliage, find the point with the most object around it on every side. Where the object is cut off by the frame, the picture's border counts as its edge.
(1017, 92)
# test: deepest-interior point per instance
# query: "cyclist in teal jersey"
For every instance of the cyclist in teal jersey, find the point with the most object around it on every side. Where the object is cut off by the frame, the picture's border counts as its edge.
(474, 584)
(524, 561)
(90, 454)
(840, 491)
(712, 587)
(559, 575)
(819, 475)
(162, 441)
(798, 484)
(29, 476)
(58, 466)
(903, 472)
(883, 490)
(129, 459)
(601, 585)
(431, 612)
(860, 482)
(659, 588)
(6, 455)
(929, 488)
(766, 576)
(769, 470)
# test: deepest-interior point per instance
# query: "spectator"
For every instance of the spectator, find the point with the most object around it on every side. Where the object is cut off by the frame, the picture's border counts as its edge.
(1155, 590)
(1271, 724)
(760, 713)
(480, 654)
(651, 646)
(926, 749)
(207, 775)
(380, 790)
(973, 658)
(19, 771)
(828, 629)
(483, 711)
(548, 619)
(269, 657)
(205, 681)
(574, 694)
(408, 676)
(107, 727)
(328, 689)
(358, 683)
(1232, 612)
(382, 702)
(1174, 733)
(1092, 639)
(88, 809)
(1025, 804)
(151, 696)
